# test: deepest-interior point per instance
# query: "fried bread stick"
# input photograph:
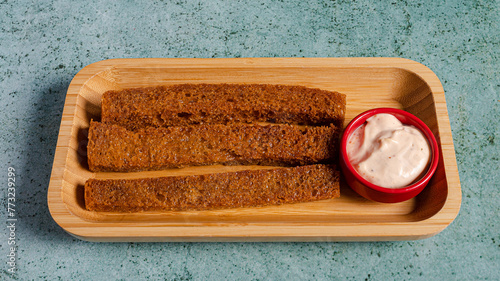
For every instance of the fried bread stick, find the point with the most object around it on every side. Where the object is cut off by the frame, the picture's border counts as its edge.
(114, 148)
(188, 104)
(249, 188)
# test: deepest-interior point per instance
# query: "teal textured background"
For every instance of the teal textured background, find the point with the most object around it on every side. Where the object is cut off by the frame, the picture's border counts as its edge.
(43, 45)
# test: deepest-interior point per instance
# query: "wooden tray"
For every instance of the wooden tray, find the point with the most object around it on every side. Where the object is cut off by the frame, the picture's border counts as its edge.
(367, 82)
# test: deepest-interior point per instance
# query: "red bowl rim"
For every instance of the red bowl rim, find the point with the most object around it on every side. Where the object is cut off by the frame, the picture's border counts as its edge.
(361, 118)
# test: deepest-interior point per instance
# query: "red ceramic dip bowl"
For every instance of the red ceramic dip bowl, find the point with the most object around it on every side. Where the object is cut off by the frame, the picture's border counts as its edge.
(377, 193)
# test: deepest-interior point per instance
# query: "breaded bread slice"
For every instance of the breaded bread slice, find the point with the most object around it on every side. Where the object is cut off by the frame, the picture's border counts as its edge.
(114, 148)
(188, 104)
(249, 188)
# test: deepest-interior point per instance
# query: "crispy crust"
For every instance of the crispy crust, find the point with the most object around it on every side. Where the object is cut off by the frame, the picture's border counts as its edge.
(250, 188)
(188, 104)
(114, 148)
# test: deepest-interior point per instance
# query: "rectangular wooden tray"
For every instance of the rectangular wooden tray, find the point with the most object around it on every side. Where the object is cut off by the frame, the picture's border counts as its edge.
(367, 82)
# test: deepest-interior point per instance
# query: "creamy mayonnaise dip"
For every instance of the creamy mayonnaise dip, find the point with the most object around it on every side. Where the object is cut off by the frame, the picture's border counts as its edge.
(387, 153)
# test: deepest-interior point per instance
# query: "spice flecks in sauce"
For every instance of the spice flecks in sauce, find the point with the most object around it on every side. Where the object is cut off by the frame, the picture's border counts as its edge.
(387, 153)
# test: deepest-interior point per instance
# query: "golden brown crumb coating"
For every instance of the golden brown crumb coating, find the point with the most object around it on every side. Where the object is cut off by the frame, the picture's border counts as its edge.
(249, 188)
(188, 104)
(114, 148)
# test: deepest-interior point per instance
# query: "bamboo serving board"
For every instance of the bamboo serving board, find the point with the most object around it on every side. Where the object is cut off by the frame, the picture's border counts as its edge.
(367, 83)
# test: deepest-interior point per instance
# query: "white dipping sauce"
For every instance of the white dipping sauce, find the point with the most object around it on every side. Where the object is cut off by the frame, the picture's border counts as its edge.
(387, 153)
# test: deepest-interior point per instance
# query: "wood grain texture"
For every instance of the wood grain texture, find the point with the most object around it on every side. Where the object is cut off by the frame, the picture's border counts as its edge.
(367, 82)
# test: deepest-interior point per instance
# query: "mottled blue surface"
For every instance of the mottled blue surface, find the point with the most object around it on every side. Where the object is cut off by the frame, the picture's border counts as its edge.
(43, 45)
